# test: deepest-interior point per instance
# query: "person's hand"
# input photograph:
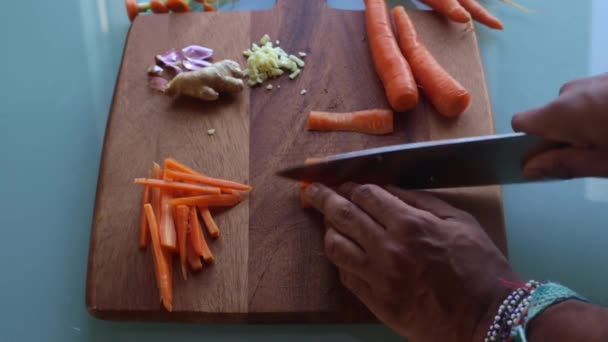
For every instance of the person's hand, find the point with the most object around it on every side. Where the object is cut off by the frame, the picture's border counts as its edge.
(462, 11)
(578, 119)
(423, 267)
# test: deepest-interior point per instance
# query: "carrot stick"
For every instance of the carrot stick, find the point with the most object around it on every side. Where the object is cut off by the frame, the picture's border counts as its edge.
(172, 164)
(163, 184)
(158, 6)
(194, 260)
(210, 223)
(164, 282)
(481, 14)
(197, 239)
(182, 224)
(158, 174)
(216, 182)
(143, 226)
(448, 96)
(178, 6)
(373, 121)
(208, 200)
(167, 226)
(450, 8)
(391, 66)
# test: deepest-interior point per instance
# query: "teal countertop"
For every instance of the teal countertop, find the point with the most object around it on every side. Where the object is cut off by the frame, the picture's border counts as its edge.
(59, 62)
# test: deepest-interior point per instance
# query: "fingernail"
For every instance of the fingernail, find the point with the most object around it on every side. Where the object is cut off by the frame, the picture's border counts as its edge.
(312, 190)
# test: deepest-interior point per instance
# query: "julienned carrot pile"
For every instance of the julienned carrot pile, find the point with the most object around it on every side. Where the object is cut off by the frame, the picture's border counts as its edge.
(448, 96)
(391, 66)
(373, 121)
(172, 199)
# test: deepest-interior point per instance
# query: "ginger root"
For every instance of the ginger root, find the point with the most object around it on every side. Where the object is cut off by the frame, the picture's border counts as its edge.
(207, 83)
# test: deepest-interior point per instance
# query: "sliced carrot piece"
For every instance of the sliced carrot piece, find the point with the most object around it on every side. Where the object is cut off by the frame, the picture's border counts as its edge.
(182, 224)
(208, 200)
(373, 121)
(164, 283)
(217, 182)
(172, 164)
(143, 226)
(194, 260)
(167, 226)
(197, 240)
(163, 184)
(210, 223)
(158, 174)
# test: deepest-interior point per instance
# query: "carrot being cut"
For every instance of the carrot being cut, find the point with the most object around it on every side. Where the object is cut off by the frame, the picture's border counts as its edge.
(182, 226)
(391, 66)
(450, 8)
(210, 223)
(167, 225)
(209, 181)
(446, 94)
(158, 6)
(172, 164)
(163, 184)
(208, 200)
(481, 14)
(373, 121)
(303, 185)
(156, 194)
(197, 239)
(164, 282)
(143, 226)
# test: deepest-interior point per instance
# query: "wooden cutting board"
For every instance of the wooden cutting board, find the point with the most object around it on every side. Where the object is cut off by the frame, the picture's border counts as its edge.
(269, 264)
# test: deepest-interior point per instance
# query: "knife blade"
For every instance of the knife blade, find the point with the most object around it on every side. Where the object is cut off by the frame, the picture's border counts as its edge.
(463, 162)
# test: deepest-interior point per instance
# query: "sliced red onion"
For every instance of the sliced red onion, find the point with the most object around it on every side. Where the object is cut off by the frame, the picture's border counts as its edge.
(196, 52)
(194, 65)
(158, 83)
(169, 57)
(155, 70)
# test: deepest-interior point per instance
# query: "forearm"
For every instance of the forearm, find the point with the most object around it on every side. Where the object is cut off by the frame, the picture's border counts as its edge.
(571, 320)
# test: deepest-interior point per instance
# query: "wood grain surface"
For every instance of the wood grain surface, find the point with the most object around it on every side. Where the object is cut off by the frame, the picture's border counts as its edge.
(269, 265)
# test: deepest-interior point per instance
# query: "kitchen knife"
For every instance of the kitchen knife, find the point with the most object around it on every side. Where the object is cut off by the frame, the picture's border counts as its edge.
(463, 162)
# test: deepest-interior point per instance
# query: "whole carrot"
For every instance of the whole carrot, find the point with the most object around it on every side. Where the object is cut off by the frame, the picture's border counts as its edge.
(373, 121)
(446, 94)
(178, 6)
(158, 6)
(481, 14)
(450, 8)
(391, 66)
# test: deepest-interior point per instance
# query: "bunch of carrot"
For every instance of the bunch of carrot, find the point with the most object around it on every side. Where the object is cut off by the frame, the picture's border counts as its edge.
(163, 6)
(403, 64)
(173, 196)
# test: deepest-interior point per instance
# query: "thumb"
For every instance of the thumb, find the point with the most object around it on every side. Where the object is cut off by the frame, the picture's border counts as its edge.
(568, 163)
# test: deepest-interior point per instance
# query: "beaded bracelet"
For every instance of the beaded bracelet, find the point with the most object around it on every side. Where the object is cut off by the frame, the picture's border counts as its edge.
(522, 306)
(511, 312)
